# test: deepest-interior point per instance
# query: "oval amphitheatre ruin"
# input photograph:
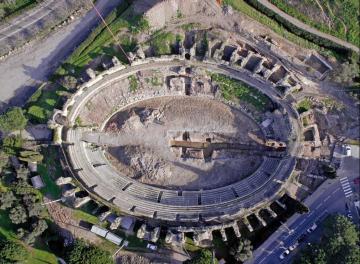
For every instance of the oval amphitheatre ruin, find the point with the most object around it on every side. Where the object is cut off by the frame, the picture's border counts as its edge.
(159, 140)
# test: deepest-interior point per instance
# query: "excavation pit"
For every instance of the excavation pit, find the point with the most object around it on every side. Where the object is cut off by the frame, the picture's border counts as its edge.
(212, 145)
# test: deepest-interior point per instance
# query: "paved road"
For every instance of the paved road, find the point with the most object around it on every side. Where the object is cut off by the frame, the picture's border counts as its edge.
(309, 29)
(328, 198)
(20, 73)
(29, 18)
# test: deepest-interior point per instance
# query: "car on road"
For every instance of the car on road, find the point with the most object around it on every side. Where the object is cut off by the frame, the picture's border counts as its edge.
(302, 238)
(293, 246)
(284, 254)
(347, 150)
(151, 247)
(312, 228)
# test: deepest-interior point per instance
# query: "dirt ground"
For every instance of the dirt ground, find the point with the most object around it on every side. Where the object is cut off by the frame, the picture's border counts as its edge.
(144, 129)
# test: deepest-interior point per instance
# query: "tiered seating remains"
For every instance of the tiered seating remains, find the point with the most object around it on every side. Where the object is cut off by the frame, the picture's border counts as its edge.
(217, 196)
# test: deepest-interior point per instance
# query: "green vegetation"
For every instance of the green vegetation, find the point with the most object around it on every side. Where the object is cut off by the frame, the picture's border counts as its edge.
(156, 81)
(304, 106)
(343, 15)
(78, 121)
(242, 251)
(133, 83)
(84, 253)
(12, 144)
(41, 104)
(50, 170)
(30, 156)
(243, 7)
(13, 7)
(101, 42)
(269, 19)
(235, 90)
(162, 43)
(190, 246)
(13, 120)
(204, 256)
(81, 215)
(190, 26)
(11, 232)
(12, 252)
(339, 244)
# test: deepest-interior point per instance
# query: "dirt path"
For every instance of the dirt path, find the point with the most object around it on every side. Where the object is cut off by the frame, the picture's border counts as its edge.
(307, 28)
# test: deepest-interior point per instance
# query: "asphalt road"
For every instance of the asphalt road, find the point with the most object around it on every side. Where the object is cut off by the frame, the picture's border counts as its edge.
(327, 199)
(306, 27)
(20, 73)
(24, 21)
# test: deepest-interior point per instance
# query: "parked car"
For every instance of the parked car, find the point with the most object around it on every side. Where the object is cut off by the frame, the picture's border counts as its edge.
(312, 228)
(151, 247)
(293, 246)
(302, 238)
(284, 254)
(347, 150)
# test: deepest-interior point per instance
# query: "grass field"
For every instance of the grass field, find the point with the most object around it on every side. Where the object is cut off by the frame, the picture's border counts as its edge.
(235, 90)
(336, 17)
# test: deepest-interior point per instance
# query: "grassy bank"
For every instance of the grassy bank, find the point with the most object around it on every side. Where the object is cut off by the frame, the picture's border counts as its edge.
(9, 9)
(283, 29)
(343, 15)
(101, 42)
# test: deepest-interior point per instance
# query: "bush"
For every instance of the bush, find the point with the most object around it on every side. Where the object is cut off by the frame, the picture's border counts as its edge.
(204, 256)
(13, 120)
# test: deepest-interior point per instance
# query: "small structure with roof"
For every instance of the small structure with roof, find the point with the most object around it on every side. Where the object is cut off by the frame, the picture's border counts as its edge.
(113, 238)
(32, 166)
(99, 230)
(37, 182)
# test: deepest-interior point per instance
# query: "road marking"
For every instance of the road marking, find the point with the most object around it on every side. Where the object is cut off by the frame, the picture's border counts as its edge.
(347, 189)
(262, 260)
(317, 207)
(327, 198)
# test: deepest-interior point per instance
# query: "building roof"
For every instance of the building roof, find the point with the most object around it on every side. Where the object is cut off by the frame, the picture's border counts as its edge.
(267, 122)
(32, 166)
(99, 231)
(127, 222)
(37, 182)
(113, 238)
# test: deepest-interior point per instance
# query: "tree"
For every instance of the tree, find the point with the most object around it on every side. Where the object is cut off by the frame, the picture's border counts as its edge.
(38, 228)
(12, 144)
(18, 215)
(242, 251)
(339, 244)
(4, 158)
(6, 200)
(13, 120)
(83, 253)
(205, 256)
(30, 156)
(12, 252)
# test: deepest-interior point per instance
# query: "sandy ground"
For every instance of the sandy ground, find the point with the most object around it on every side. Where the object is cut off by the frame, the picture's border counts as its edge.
(21, 72)
(143, 132)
